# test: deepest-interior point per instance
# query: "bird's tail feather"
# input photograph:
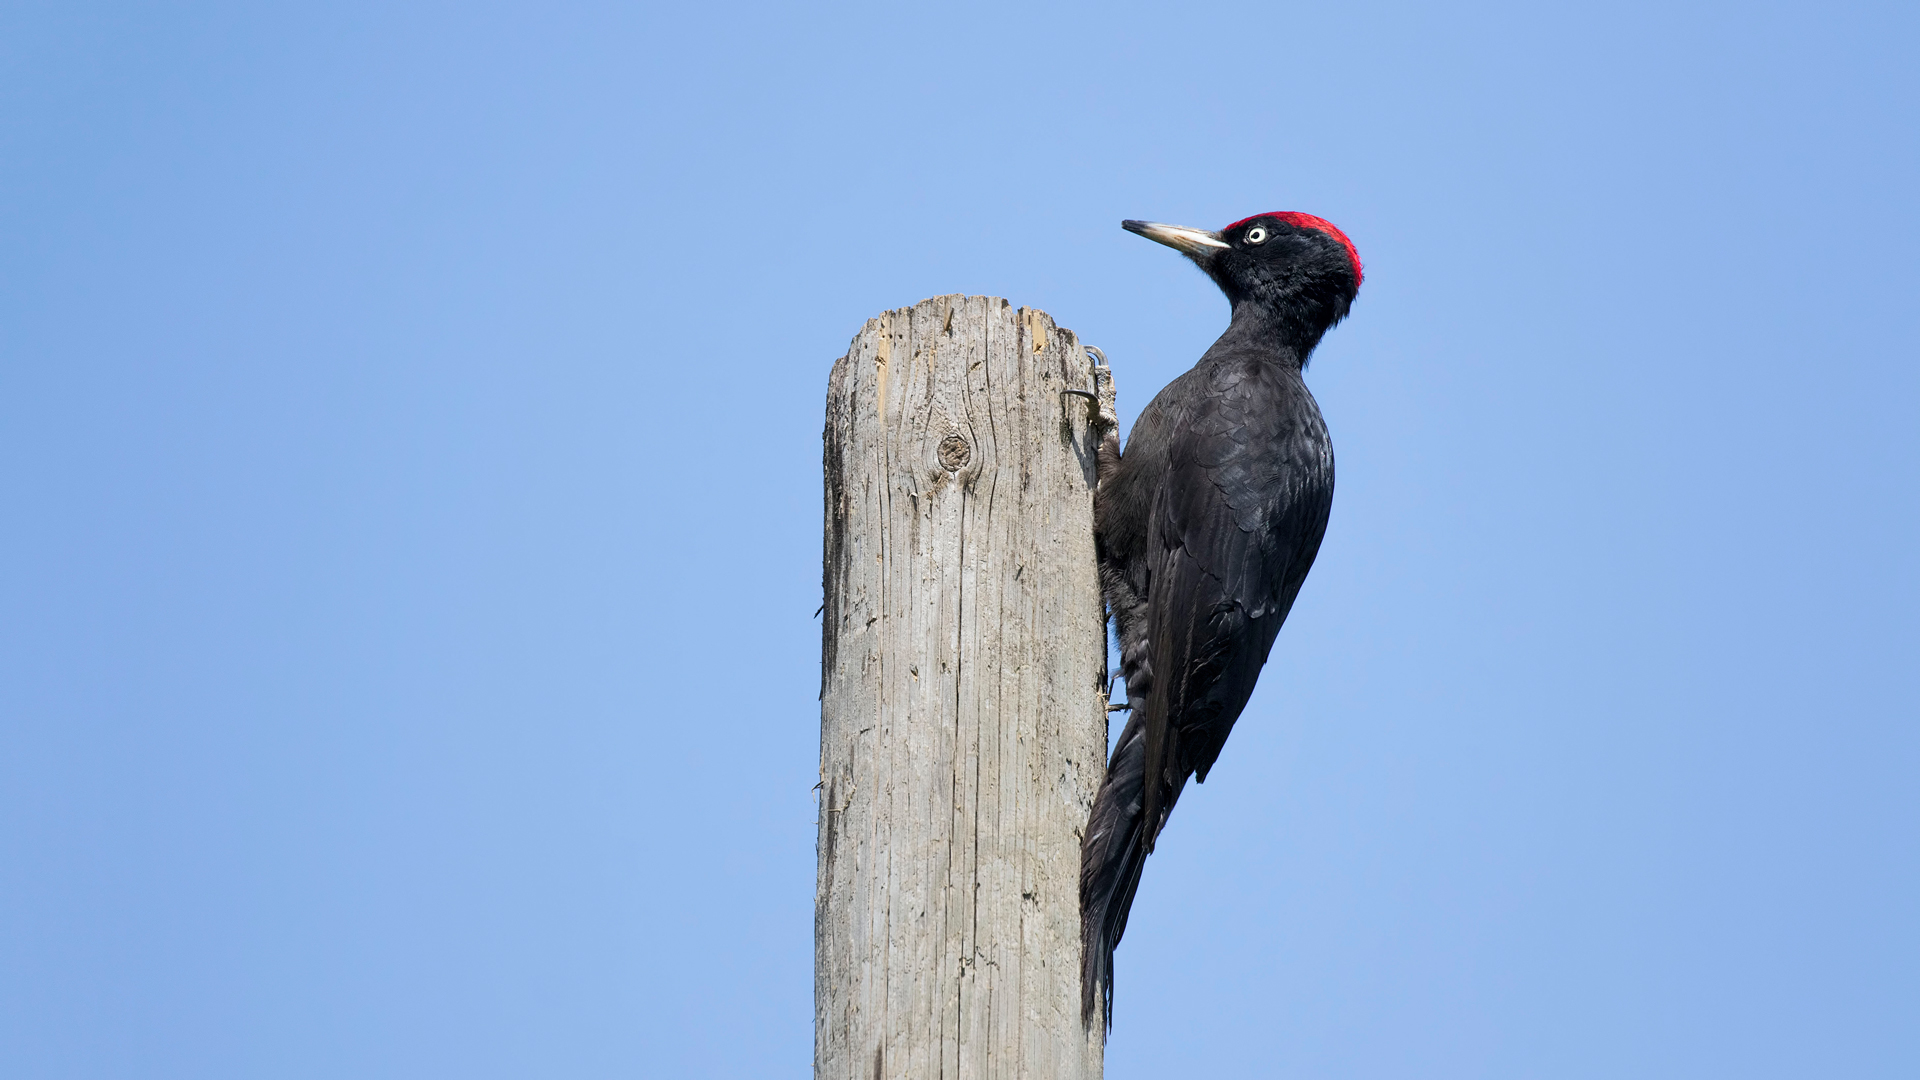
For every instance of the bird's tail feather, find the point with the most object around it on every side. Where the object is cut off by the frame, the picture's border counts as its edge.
(1111, 857)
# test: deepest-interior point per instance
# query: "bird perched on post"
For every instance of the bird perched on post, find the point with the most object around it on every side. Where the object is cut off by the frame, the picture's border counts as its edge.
(1206, 527)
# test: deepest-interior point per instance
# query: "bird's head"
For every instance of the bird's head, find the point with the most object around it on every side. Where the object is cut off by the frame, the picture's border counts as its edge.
(1291, 267)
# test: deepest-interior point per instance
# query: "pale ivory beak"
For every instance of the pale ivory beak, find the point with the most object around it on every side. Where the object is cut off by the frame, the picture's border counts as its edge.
(1177, 237)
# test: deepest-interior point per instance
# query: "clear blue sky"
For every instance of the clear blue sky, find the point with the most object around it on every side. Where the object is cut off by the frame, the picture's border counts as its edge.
(409, 452)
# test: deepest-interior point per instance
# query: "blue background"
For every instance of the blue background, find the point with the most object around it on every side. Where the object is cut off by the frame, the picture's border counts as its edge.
(409, 453)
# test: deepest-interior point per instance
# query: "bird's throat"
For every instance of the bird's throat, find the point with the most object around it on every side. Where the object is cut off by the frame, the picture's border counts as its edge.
(1286, 335)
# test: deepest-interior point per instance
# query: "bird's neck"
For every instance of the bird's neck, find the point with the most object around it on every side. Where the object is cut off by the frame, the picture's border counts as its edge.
(1282, 331)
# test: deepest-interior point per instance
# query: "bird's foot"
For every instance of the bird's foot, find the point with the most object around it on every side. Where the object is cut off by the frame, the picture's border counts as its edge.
(1100, 398)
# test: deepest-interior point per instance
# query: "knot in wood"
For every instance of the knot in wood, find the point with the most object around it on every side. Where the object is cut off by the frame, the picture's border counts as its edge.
(954, 453)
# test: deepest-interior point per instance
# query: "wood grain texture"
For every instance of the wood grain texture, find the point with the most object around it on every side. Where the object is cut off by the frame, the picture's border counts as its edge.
(962, 701)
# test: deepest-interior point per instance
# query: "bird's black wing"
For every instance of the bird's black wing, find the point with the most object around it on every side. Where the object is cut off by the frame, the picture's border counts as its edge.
(1233, 531)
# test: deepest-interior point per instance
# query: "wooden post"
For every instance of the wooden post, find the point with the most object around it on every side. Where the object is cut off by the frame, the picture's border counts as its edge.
(962, 701)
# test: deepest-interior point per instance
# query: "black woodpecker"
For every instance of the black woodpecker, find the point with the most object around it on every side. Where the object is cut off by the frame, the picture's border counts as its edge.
(1206, 527)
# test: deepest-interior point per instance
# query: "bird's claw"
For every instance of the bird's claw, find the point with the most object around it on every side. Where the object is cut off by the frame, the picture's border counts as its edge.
(1101, 397)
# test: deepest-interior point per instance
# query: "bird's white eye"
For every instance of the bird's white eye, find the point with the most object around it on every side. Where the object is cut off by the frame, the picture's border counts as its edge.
(1257, 235)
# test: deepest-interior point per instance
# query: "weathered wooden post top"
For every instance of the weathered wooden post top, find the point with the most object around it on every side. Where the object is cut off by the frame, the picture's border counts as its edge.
(962, 699)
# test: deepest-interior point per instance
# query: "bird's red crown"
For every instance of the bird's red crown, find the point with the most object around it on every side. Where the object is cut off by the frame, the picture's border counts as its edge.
(1308, 221)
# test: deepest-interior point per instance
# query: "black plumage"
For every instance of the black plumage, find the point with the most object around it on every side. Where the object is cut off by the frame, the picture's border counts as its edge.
(1206, 528)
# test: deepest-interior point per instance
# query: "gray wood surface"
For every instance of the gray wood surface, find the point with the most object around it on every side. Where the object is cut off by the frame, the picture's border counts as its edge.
(962, 701)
